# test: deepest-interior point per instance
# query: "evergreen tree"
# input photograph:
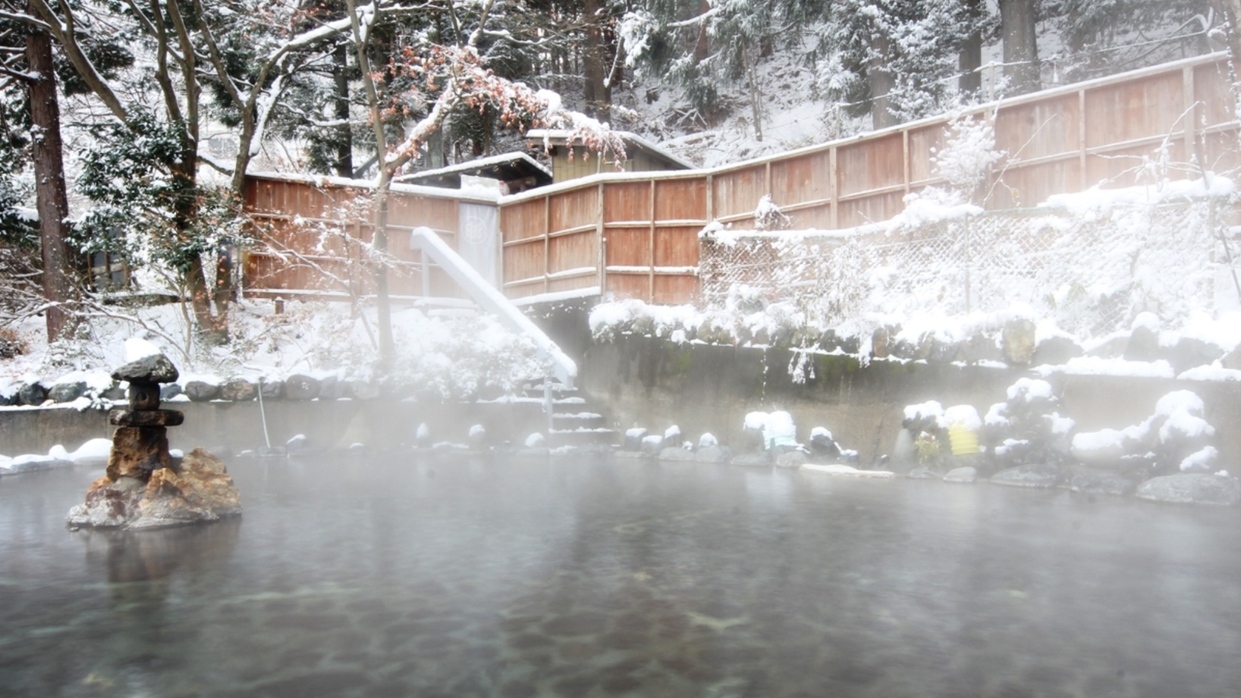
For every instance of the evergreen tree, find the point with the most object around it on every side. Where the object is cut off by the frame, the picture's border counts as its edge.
(894, 58)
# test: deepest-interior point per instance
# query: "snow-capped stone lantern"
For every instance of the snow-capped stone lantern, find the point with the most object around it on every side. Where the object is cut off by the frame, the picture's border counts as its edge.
(144, 487)
(140, 444)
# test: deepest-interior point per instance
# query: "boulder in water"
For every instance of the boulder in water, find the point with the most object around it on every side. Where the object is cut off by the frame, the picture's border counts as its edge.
(198, 490)
(1192, 488)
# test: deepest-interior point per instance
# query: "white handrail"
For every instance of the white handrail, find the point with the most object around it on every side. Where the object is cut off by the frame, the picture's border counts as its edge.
(424, 239)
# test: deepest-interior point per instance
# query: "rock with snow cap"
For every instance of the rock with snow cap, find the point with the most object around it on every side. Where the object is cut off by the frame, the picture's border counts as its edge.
(633, 439)
(301, 387)
(201, 390)
(1037, 475)
(152, 368)
(32, 393)
(1190, 352)
(1018, 341)
(67, 392)
(1056, 350)
(1143, 344)
(238, 390)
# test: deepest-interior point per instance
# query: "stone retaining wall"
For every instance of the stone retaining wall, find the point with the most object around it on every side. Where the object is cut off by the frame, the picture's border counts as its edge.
(235, 426)
(653, 383)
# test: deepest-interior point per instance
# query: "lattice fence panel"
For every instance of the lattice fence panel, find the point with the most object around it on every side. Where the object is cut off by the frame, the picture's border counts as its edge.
(1091, 273)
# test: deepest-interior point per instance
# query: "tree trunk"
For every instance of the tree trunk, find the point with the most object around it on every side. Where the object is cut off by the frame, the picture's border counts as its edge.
(881, 84)
(344, 136)
(969, 61)
(1018, 32)
(383, 302)
(53, 204)
(595, 63)
(702, 46)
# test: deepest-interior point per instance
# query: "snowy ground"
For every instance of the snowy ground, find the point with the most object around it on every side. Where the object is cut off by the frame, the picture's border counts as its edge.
(453, 352)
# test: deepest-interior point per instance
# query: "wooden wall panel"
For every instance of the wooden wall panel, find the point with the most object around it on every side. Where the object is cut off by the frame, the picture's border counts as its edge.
(413, 211)
(871, 209)
(676, 247)
(924, 142)
(1119, 168)
(681, 199)
(628, 285)
(1214, 92)
(523, 261)
(819, 217)
(573, 284)
(1039, 129)
(523, 220)
(1134, 109)
(573, 252)
(628, 247)
(736, 193)
(1030, 185)
(574, 208)
(871, 164)
(675, 290)
(626, 201)
(801, 179)
(1223, 150)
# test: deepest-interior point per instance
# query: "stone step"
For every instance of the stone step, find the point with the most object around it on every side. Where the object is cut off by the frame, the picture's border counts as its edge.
(584, 436)
(577, 420)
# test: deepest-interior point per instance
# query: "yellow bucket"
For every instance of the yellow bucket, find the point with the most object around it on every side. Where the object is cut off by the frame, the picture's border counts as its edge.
(964, 441)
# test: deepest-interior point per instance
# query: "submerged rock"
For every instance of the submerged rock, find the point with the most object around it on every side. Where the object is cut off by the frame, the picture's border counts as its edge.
(198, 490)
(922, 473)
(761, 459)
(1040, 475)
(964, 474)
(792, 459)
(1088, 481)
(1192, 488)
(676, 453)
(713, 454)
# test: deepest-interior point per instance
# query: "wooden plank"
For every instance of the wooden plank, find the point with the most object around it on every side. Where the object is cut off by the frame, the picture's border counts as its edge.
(737, 191)
(572, 252)
(797, 180)
(628, 247)
(870, 164)
(676, 247)
(627, 285)
(1132, 109)
(675, 290)
(626, 201)
(923, 143)
(680, 199)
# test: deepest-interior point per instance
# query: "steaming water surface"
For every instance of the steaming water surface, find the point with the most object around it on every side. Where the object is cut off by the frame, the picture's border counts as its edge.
(524, 578)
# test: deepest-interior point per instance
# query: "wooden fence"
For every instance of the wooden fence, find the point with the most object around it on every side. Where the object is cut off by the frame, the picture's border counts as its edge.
(635, 234)
(316, 237)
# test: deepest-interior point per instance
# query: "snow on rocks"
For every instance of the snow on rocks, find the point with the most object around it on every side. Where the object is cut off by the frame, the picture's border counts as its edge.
(1192, 488)
(93, 453)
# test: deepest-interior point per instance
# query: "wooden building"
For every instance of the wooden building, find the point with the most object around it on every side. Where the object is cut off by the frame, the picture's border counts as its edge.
(575, 161)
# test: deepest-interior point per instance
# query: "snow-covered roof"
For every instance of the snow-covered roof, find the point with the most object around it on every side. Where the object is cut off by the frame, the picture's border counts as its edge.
(326, 181)
(559, 136)
(478, 164)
